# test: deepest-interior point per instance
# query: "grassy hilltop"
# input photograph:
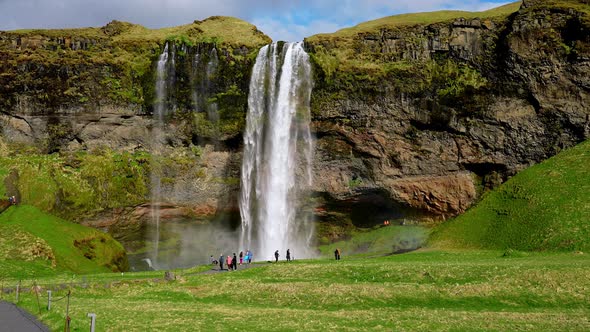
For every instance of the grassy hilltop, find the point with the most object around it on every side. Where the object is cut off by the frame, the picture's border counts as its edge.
(417, 18)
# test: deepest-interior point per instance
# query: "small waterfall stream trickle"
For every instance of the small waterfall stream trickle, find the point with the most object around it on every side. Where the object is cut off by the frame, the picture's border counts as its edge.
(278, 151)
(164, 76)
(212, 65)
(197, 71)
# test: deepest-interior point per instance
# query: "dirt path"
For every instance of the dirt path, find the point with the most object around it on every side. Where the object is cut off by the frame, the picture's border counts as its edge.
(15, 319)
(215, 269)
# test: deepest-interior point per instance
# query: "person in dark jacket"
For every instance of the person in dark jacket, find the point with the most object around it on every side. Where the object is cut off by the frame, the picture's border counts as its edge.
(221, 262)
(288, 255)
(276, 256)
(235, 262)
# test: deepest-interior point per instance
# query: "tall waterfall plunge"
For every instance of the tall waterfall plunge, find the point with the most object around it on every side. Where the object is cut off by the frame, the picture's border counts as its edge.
(278, 150)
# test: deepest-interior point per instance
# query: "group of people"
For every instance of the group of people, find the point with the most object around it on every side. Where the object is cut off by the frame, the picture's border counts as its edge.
(232, 261)
(12, 200)
(246, 258)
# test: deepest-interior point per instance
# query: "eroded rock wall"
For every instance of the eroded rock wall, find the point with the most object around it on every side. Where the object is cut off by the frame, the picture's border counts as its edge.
(434, 114)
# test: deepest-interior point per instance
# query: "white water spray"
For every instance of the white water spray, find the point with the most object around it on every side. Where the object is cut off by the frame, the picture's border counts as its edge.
(278, 151)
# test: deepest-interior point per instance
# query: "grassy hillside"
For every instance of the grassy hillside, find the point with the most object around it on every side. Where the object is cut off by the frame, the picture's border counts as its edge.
(229, 31)
(420, 291)
(419, 18)
(34, 243)
(545, 207)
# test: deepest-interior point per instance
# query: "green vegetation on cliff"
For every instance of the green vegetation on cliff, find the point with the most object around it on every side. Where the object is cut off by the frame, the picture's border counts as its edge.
(449, 57)
(544, 207)
(407, 55)
(34, 244)
(112, 68)
(225, 30)
(77, 185)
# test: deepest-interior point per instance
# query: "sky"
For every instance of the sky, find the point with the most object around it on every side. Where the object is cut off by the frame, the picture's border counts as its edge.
(289, 20)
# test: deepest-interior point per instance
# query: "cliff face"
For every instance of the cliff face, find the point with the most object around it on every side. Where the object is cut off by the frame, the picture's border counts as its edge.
(83, 88)
(89, 95)
(412, 118)
(429, 115)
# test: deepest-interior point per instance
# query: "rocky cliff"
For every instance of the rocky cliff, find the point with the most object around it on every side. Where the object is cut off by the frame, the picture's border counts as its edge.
(415, 115)
(87, 96)
(429, 115)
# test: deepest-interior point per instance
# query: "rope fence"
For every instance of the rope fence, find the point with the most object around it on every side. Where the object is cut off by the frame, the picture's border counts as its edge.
(35, 289)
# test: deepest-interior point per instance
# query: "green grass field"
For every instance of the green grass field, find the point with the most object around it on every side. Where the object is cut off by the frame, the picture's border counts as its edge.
(540, 284)
(545, 207)
(419, 291)
(434, 289)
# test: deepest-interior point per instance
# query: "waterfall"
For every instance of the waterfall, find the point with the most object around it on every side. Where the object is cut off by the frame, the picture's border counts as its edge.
(211, 73)
(195, 94)
(164, 76)
(278, 151)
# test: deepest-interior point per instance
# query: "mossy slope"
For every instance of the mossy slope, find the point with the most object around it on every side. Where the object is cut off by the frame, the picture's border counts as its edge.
(34, 243)
(545, 207)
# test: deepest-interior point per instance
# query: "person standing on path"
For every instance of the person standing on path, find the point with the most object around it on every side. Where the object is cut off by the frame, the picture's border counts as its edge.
(277, 256)
(241, 257)
(337, 254)
(288, 255)
(235, 262)
(221, 262)
(249, 254)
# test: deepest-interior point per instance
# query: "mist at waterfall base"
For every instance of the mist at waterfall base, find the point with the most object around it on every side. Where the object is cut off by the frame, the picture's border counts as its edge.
(185, 243)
